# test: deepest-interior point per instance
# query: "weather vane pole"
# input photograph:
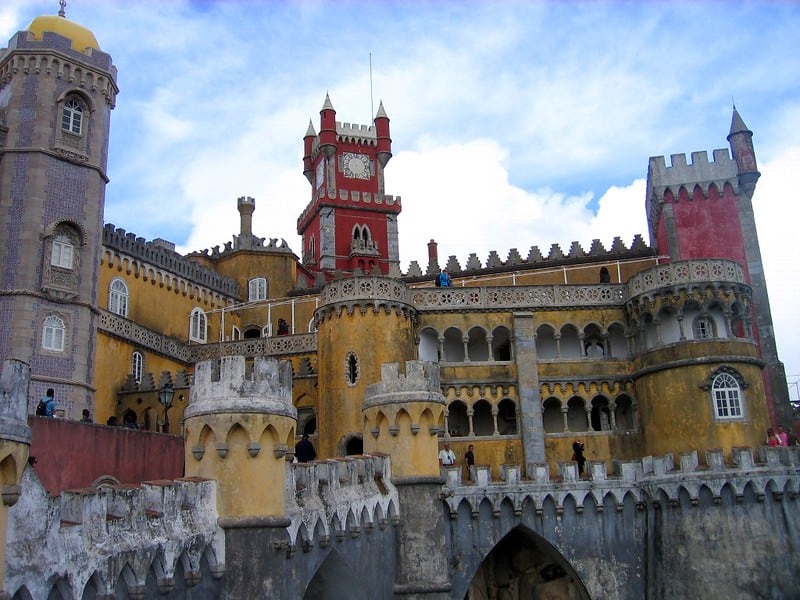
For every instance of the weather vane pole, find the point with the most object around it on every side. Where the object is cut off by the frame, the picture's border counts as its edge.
(63, 5)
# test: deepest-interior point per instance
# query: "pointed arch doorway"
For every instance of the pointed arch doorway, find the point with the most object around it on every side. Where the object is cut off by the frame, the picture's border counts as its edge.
(525, 565)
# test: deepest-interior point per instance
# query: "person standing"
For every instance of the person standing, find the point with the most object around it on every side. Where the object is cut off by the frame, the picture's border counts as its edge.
(772, 438)
(469, 461)
(304, 450)
(444, 279)
(578, 457)
(782, 436)
(49, 403)
(86, 416)
(447, 458)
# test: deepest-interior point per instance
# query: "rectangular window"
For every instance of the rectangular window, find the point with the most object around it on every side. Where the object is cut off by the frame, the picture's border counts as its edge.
(257, 289)
(61, 255)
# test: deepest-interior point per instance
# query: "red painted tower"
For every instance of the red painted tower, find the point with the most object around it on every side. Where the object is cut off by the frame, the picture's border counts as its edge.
(704, 210)
(350, 225)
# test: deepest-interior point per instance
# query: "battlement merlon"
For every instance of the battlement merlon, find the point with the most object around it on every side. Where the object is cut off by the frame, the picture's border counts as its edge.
(700, 172)
(233, 388)
(420, 383)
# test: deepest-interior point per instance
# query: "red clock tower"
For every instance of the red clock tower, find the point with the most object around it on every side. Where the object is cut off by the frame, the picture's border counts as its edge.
(350, 225)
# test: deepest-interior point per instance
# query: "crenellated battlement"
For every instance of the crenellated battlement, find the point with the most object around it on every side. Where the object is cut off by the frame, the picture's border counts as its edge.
(354, 132)
(338, 498)
(91, 533)
(555, 257)
(772, 471)
(230, 385)
(420, 383)
(158, 254)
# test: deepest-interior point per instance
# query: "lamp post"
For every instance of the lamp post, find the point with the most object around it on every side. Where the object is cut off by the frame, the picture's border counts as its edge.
(165, 398)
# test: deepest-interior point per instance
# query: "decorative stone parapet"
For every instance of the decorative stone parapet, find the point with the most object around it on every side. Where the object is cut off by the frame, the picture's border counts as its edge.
(338, 499)
(685, 272)
(88, 533)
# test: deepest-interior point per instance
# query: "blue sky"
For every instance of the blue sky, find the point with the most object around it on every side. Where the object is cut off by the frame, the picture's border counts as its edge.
(514, 124)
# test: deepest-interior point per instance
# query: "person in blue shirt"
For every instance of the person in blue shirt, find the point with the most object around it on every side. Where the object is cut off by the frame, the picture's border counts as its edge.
(49, 403)
(444, 279)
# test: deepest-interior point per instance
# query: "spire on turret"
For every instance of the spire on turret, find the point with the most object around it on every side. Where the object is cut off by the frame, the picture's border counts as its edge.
(741, 141)
(382, 133)
(327, 127)
(308, 146)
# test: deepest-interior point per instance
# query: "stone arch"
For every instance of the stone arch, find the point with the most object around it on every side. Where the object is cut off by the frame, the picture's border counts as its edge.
(507, 417)
(457, 418)
(593, 342)
(477, 344)
(570, 344)
(482, 420)
(552, 419)
(530, 565)
(501, 344)
(624, 417)
(617, 341)
(8, 470)
(546, 346)
(576, 414)
(335, 578)
(428, 346)
(601, 413)
(453, 345)
(668, 329)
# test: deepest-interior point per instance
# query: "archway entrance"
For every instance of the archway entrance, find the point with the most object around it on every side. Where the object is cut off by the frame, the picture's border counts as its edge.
(523, 565)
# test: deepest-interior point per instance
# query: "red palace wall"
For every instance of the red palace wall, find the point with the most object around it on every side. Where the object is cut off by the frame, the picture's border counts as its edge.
(72, 455)
(707, 227)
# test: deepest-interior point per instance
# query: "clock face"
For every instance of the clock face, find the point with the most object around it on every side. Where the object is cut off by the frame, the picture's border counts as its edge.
(356, 166)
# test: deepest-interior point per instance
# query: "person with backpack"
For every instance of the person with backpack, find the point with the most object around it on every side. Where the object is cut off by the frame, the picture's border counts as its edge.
(47, 405)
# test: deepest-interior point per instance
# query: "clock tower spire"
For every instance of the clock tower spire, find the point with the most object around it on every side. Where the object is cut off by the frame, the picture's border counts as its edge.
(350, 224)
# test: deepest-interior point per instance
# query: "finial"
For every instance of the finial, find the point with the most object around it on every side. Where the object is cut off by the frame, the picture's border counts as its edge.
(63, 5)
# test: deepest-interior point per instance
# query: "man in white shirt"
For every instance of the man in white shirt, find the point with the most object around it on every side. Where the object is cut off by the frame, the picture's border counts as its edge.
(447, 458)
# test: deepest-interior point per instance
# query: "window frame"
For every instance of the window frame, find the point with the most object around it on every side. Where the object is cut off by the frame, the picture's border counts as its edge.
(72, 116)
(198, 326)
(62, 252)
(54, 333)
(704, 327)
(257, 289)
(137, 366)
(727, 398)
(118, 299)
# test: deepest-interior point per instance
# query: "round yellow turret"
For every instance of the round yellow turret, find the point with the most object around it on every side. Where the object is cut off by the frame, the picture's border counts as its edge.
(80, 37)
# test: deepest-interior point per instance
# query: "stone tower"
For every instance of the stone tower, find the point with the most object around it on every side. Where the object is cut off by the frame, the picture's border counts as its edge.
(238, 429)
(704, 210)
(362, 323)
(350, 224)
(402, 413)
(57, 90)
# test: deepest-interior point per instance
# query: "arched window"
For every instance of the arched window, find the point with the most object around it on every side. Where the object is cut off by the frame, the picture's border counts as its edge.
(137, 366)
(198, 326)
(605, 276)
(552, 418)
(63, 248)
(457, 419)
(482, 421)
(428, 348)
(501, 344)
(257, 289)
(507, 417)
(72, 117)
(118, 298)
(53, 332)
(727, 396)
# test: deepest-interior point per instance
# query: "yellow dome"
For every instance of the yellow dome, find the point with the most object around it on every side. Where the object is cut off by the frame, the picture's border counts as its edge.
(81, 37)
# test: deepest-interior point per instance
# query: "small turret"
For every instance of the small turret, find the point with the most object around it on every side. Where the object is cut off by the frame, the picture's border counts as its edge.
(308, 146)
(327, 128)
(382, 131)
(402, 413)
(239, 425)
(741, 141)
(246, 207)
